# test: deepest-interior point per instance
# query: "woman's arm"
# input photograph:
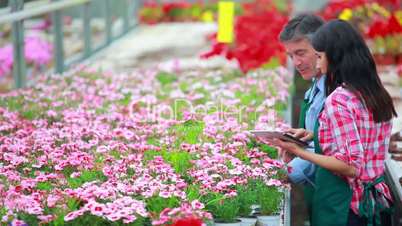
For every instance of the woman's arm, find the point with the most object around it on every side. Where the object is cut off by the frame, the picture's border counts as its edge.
(328, 162)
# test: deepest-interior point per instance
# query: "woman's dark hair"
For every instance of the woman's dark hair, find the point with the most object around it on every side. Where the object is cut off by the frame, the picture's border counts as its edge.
(351, 64)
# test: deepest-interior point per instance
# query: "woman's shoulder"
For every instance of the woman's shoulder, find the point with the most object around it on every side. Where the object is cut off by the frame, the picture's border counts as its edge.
(342, 96)
(341, 93)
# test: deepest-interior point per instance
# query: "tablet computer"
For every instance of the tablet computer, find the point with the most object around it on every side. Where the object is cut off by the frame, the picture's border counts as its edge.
(279, 135)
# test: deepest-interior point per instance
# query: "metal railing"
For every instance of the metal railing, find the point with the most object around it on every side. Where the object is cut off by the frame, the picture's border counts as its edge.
(16, 14)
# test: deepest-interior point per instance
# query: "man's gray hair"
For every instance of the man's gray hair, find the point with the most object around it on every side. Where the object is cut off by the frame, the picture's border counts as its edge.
(301, 27)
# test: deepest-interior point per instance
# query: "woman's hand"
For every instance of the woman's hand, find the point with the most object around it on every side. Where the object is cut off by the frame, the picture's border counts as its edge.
(301, 134)
(288, 147)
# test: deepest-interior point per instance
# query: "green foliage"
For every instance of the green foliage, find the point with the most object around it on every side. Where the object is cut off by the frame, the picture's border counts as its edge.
(223, 209)
(188, 132)
(166, 78)
(12, 103)
(72, 204)
(45, 186)
(126, 100)
(272, 152)
(247, 196)
(28, 110)
(32, 219)
(116, 154)
(3, 212)
(179, 160)
(230, 76)
(88, 219)
(153, 141)
(86, 176)
(184, 87)
(250, 98)
(156, 204)
(150, 154)
(90, 76)
(241, 155)
(193, 192)
(272, 63)
(179, 106)
(269, 198)
(104, 109)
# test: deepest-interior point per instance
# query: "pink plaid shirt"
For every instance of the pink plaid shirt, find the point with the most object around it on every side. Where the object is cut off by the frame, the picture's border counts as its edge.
(348, 132)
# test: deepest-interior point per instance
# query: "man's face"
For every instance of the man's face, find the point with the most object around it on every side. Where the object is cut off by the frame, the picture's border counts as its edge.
(303, 56)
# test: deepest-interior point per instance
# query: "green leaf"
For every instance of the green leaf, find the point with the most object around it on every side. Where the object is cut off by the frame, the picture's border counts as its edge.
(156, 204)
(126, 100)
(72, 204)
(86, 176)
(166, 78)
(45, 186)
(271, 151)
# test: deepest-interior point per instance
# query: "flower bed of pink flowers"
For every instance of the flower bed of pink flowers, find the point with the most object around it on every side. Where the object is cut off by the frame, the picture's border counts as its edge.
(92, 148)
(38, 52)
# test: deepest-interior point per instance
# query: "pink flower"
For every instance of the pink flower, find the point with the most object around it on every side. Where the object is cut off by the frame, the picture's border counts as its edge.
(52, 200)
(38, 51)
(18, 223)
(274, 182)
(129, 219)
(6, 60)
(46, 218)
(102, 149)
(165, 194)
(113, 217)
(72, 215)
(75, 175)
(197, 205)
(51, 113)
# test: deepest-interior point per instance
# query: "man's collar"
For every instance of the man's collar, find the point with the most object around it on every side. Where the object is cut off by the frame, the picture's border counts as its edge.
(320, 83)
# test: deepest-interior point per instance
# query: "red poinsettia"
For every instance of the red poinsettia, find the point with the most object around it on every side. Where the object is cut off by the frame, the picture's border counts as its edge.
(382, 28)
(256, 36)
(335, 7)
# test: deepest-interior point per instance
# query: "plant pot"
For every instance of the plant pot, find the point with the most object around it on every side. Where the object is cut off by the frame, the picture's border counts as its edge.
(248, 221)
(237, 223)
(274, 220)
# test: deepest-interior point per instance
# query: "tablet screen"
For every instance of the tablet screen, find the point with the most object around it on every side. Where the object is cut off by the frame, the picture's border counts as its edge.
(278, 135)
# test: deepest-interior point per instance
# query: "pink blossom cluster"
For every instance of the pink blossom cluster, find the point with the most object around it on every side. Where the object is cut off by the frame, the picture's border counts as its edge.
(38, 52)
(95, 138)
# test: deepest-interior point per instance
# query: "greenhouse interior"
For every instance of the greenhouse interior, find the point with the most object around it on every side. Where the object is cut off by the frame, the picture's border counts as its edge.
(201, 112)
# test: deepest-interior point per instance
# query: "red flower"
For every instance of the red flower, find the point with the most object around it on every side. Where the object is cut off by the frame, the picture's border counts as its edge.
(381, 28)
(335, 7)
(256, 36)
(191, 221)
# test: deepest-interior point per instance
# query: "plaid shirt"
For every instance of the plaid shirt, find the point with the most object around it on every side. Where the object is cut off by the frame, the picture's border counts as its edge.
(349, 133)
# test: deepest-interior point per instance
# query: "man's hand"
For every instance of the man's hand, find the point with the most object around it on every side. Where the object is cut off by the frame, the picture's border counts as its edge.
(301, 134)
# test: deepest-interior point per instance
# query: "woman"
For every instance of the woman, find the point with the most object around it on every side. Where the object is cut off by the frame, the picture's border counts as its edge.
(352, 132)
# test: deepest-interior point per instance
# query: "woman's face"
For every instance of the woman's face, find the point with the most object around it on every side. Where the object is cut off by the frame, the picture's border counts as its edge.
(322, 63)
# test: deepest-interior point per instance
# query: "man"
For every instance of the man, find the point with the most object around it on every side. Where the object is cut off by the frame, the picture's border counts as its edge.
(295, 37)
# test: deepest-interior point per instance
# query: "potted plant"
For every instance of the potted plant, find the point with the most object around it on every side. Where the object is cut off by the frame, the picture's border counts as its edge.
(270, 199)
(224, 209)
(247, 198)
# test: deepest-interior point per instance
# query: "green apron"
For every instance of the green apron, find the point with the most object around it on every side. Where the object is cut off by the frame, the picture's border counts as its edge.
(308, 189)
(332, 195)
